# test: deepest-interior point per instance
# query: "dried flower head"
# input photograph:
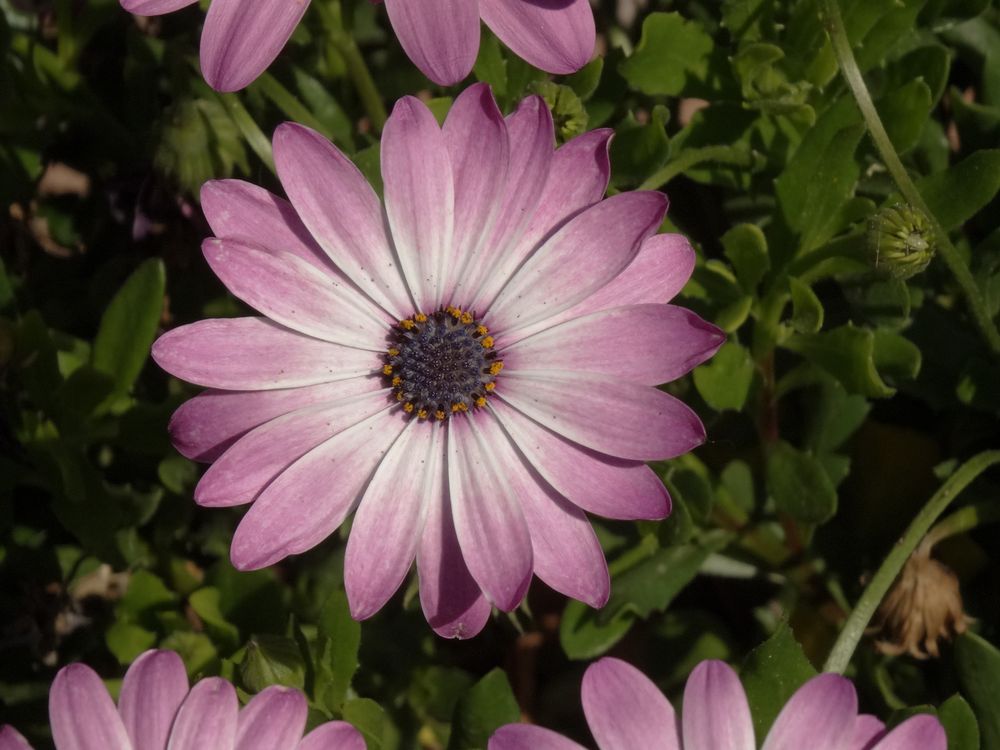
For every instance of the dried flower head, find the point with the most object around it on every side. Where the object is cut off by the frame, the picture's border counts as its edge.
(923, 606)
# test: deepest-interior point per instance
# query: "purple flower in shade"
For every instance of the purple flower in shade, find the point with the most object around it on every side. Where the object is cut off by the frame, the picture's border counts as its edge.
(625, 711)
(470, 368)
(156, 709)
(440, 36)
(240, 39)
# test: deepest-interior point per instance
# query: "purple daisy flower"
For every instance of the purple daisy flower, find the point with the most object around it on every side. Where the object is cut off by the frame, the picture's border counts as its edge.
(625, 710)
(470, 368)
(440, 36)
(156, 709)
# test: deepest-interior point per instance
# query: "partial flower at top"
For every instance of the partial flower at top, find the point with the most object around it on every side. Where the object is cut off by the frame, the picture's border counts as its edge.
(240, 40)
(442, 36)
(469, 368)
(156, 709)
(625, 711)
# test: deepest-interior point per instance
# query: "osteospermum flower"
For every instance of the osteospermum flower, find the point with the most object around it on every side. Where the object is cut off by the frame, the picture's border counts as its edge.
(156, 709)
(470, 369)
(440, 36)
(625, 710)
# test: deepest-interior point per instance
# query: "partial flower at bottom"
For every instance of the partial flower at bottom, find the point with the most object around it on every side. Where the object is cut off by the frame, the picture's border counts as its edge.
(467, 370)
(157, 709)
(626, 711)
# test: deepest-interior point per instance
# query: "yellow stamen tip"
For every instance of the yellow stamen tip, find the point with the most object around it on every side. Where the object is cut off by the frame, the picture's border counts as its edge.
(407, 324)
(420, 318)
(394, 352)
(481, 402)
(487, 342)
(397, 380)
(440, 414)
(495, 368)
(408, 407)
(387, 370)
(400, 397)
(490, 387)
(422, 414)
(467, 318)
(482, 330)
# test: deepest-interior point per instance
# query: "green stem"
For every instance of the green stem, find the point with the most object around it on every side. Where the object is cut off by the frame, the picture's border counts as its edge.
(852, 74)
(357, 69)
(693, 157)
(965, 519)
(248, 128)
(287, 102)
(854, 628)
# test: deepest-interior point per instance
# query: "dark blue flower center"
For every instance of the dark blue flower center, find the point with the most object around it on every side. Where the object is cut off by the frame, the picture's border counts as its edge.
(442, 363)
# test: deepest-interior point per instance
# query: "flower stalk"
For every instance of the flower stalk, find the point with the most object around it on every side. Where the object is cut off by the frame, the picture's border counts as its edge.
(855, 81)
(857, 622)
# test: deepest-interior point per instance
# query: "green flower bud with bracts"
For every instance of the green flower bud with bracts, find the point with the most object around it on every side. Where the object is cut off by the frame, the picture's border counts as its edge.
(900, 241)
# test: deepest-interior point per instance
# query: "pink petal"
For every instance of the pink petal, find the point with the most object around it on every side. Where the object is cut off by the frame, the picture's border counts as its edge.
(205, 426)
(660, 269)
(441, 37)
(296, 294)
(565, 551)
(334, 735)
(256, 354)
(820, 715)
(155, 7)
(526, 737)
(310, 499)
(82, 714)
(601, 484)
(490, 526)
(11, 739)
(606, 236)
(716, 713)
(530, 132)
(867, 729)
(610, 416)
(923, 731)
(153, 689)
(256, 459)
(476, 137)
(342, 212)
(625, 710)
(647, 344)
(557, 36)
(452, 601)
(207, 718)
(419, 198)
(239, 210)
(237, 45)
(274, 719)
(388, 524)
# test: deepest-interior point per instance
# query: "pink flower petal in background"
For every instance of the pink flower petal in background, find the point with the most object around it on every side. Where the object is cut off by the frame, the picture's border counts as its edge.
(555, 35)
(514, 392)
(716, 713)
(625, 710)
(153, 689)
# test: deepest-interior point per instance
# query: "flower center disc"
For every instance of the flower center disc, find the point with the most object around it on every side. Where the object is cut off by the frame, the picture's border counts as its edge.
(441, 364)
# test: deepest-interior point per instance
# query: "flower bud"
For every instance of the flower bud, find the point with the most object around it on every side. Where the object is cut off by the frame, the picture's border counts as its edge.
(900, 241)
(568, 113)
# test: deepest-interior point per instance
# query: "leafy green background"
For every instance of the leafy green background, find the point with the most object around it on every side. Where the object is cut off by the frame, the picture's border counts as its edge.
(841, 400)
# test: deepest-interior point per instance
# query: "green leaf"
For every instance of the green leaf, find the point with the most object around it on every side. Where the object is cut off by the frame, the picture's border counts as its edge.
(807, 310)
(196, 649)
(586, 80)
(800, 485)
(272, 660)
(896, 357)
(978, 665)
(746, 248)
(146, 593)
(639, 150)
(959, 723)
(771, 673)
(340, 639)
(205, 603)
(488, 705)
(127, 641)
(490, 66)
(369, 719)
(847, 353)
(129, 324)
(904, 112)
(956, 195)
(583, 637)
(671, 52)
(724, 382)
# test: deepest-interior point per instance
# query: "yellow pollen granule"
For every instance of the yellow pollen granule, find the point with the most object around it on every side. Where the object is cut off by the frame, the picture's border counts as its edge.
(420, 318)
(490, 387)
(481, 402)
(406, 324)
(394, 352)
(397, 380)
(400, 397)
(408, 407)
(422, 414)
(495, 368)
(440, 414)
(387, 369)
(482, 330)
(487, 342)
(466, 318)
